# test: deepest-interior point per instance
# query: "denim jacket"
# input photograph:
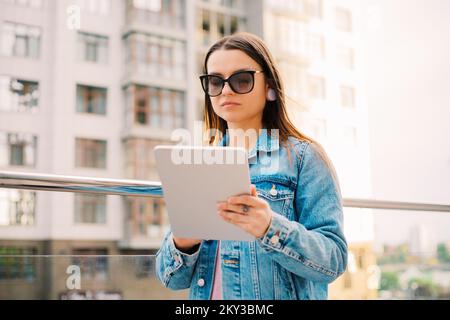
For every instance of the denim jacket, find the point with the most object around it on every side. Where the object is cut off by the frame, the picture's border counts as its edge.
(304, 248)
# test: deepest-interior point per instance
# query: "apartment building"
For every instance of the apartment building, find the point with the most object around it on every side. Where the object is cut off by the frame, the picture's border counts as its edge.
(89, 87)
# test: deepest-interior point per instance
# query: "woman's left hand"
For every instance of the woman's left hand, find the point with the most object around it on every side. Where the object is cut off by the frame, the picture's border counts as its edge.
(248, 212)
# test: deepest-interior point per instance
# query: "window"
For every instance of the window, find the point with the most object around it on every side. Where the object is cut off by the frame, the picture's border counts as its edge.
(156, 56)
(347, 97)
(20, 265)
(18, 95)
(167, 112)
(178, 60)
(220, 24)
(142, 104)
(345, 57)
(314, 8)
(91, 267)
(316, 46)
(343, 19)
(156, 107)
(26, 3)
(234, 24)
(316, 87)
(17, 207)
(90, 208)
(221, 27)
(152, 5)
(20, 40)
(92, 48)
(145, 217)
(91, 99)
(140, 159)
(165, 13)
(292, 39)
(166, 58)
(18, 149)
(178, 100)
(205, 28)
(90, 153)
(155, 104)
(231, 3)
(98, 7)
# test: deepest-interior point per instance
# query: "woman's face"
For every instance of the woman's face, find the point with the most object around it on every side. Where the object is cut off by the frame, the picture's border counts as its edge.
(244, 108)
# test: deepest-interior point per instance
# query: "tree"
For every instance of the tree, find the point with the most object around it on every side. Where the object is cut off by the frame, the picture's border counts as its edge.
(442, 253)
(389, 281)
(423, 288)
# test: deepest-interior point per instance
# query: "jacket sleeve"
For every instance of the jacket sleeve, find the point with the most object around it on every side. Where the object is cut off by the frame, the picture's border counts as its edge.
(174, 268)
(313, 247)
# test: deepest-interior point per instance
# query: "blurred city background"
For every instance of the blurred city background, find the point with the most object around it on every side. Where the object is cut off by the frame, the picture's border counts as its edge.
(89, 87)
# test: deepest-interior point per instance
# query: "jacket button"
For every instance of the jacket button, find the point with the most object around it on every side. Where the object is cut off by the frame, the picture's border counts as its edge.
(201, 282)
(274, 240)
(273, 191)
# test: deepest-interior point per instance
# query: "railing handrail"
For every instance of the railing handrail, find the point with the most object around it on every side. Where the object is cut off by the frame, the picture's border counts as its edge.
(63, 183)
(153, 189)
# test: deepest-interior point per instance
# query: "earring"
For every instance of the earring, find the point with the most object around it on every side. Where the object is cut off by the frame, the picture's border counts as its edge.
(271, 95)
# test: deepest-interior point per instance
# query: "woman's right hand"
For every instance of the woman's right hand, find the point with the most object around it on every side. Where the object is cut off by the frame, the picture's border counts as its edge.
(185, 244)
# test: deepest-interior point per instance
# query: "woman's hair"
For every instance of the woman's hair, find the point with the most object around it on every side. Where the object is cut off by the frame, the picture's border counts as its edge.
(274, 113)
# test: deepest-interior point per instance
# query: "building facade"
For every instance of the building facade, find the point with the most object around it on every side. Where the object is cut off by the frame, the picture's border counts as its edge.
(89, 87)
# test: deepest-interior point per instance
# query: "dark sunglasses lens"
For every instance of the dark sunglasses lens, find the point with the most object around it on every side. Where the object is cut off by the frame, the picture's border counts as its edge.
(212, 85)
(242, 82)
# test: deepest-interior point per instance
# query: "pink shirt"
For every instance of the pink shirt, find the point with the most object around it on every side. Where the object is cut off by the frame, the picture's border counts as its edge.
(217, 286)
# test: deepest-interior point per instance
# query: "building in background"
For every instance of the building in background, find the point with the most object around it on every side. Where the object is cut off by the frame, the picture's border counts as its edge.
(95, 100)
(420, 244)
(317, 44)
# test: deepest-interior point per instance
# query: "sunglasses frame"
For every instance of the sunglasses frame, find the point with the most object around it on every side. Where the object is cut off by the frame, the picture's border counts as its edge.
(252, 72)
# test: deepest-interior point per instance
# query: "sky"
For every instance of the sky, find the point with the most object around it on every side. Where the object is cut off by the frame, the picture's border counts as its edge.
(407, 66)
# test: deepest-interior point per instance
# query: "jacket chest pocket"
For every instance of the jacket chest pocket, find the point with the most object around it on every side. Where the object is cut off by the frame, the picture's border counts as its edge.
(279, 196)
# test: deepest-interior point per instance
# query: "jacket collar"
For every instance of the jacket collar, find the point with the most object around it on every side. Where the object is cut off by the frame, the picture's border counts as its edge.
(265, 142)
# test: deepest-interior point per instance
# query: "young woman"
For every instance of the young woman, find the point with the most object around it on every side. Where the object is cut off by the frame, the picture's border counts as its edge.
(294, 211)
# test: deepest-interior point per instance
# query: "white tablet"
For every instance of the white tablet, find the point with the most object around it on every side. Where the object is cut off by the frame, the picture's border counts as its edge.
(194, 179)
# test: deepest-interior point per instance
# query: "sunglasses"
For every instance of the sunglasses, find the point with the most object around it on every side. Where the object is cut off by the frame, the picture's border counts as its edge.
(240, 82)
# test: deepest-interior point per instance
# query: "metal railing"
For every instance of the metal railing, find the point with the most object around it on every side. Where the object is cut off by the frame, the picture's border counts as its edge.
(132, 276)
(62, 183)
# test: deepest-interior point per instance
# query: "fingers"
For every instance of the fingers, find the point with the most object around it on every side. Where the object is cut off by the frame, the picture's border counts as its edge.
(253, 192)
(237, 208)
(248, 212)
(246, 223)
(233, 217)
(243, 204)
(251, 201)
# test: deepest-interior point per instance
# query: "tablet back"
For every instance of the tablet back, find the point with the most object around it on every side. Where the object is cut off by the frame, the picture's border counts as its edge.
(193, 179)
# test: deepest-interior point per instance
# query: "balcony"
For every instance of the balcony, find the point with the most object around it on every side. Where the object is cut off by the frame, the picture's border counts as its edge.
(160, 17)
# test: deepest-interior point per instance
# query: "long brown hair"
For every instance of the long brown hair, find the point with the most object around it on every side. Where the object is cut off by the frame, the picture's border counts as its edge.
(274, 113)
